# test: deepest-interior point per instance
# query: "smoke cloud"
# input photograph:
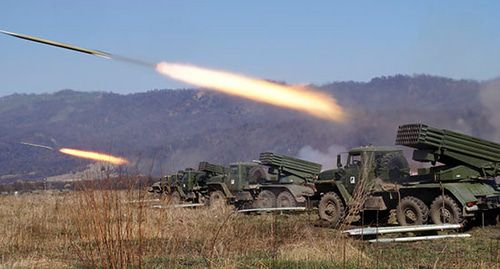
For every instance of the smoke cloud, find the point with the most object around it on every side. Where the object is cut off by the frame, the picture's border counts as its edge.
(328, 158)
(490, 98)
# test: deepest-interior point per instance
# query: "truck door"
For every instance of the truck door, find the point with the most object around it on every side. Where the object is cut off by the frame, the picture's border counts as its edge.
(352, 171)
(233, 180)
(188, 181)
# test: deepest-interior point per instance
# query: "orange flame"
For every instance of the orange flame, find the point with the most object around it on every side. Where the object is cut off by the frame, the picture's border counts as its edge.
(307, 100)
(96, 156)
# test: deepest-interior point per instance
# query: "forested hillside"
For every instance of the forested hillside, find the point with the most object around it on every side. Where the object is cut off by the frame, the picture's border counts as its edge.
(162, 131)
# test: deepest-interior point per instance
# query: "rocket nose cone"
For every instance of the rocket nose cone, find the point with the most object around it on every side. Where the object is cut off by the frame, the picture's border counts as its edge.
(6, 32)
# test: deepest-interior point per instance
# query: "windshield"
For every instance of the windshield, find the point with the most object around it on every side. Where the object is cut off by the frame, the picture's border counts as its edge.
(234, 170)
(355, 159)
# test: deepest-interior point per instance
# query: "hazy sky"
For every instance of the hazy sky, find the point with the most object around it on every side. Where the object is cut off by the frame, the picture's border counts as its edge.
(293, 41)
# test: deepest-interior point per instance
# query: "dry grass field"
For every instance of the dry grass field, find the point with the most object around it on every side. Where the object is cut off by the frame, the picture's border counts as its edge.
(97, 229)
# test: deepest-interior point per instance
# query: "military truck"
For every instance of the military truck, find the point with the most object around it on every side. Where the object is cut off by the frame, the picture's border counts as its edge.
(273, 181)
(189, 185)
(166, 186)
(458, 186)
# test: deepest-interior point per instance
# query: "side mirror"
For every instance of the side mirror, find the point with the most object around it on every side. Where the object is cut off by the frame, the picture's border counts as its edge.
(339, 162)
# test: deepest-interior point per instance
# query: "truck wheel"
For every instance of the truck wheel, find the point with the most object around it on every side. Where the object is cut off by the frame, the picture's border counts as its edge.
(445, 210)
(265, 199)
(202, 199)
(217, 198)
(412, 211)
(286, 199)
(156, 194)
(331, 208)
(162, 196)
(175, 198)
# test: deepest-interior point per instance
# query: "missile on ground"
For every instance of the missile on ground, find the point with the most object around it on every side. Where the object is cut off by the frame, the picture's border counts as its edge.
(59, 44)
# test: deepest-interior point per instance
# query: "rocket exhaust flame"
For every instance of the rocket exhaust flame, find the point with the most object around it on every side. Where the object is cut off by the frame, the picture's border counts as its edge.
(309, 101)
(96, 156)
(306, 100)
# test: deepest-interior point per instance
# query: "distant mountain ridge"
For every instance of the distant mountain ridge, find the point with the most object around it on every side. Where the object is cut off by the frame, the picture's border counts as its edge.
(162, 131)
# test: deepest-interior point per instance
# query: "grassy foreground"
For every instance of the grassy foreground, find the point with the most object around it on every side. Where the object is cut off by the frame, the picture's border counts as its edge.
(97, 229)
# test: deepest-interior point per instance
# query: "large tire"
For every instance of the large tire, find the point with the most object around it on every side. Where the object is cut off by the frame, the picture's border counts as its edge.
(445, 210)
(161, 196)
(217, 198)
(175, 198)
(202, 199)
(412, 211)
(331, 208)
(286, 199)
(392, 166)
(265, 199)
(156, 190)
(156, 193)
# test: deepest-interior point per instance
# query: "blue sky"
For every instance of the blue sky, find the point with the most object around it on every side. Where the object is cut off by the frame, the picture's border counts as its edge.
(293, 41)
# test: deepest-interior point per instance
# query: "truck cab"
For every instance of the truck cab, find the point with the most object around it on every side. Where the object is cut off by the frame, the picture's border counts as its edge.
(385, 163)
(363, 175)
(236, 184)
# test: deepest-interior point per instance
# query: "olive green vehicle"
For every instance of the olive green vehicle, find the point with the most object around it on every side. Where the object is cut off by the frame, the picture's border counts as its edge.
(273, 181)
(166, 185)
(459, 185)
(188, 185)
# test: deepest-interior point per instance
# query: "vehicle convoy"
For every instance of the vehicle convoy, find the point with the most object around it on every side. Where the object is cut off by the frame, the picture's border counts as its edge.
(188, 185)
(167, 184)
(273, 181)
(458, 187)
